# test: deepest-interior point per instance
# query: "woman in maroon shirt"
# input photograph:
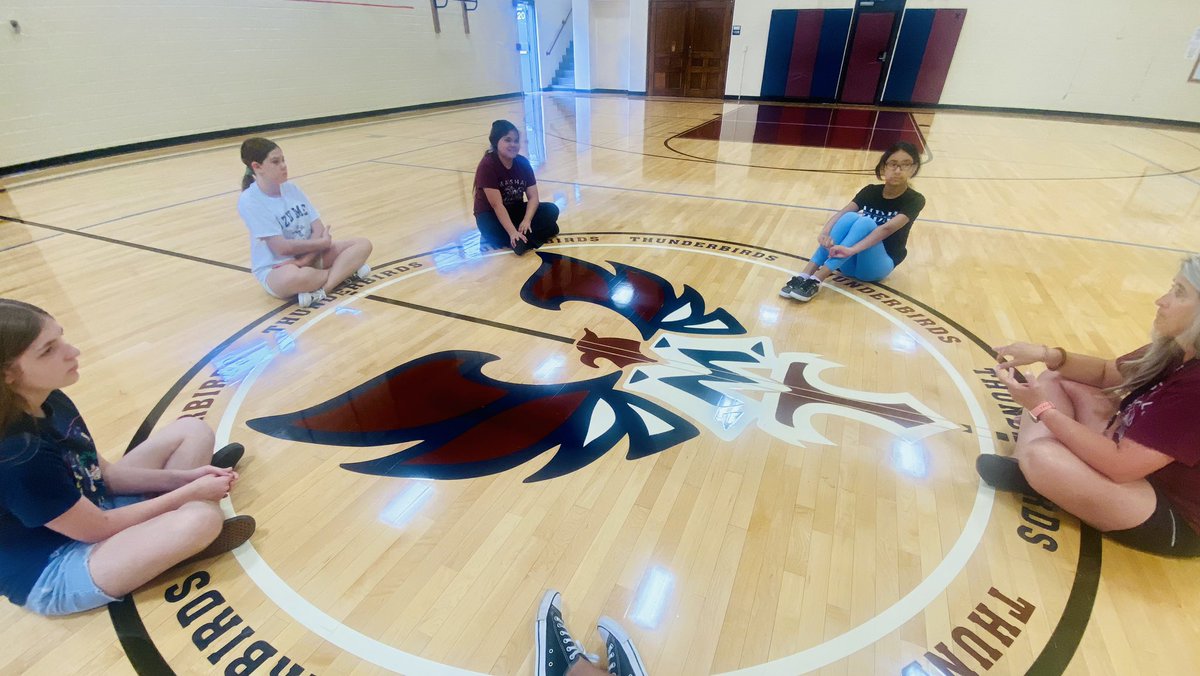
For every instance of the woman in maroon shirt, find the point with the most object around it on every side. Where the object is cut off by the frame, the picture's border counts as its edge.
(508, 212)
(1116, 442)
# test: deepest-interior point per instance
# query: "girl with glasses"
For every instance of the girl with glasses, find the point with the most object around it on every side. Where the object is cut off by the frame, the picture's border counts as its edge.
(866, 238)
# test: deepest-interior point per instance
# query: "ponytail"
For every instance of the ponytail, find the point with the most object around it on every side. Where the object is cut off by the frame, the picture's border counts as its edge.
(254, 150)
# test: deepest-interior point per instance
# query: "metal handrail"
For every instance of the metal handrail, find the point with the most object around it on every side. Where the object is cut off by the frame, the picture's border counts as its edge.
(560, 30)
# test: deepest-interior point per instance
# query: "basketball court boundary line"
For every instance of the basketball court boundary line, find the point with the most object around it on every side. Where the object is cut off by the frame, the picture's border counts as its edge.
(1058, 652)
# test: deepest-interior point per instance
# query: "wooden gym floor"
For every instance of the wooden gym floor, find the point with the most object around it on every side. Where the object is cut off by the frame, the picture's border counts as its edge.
(765, 488)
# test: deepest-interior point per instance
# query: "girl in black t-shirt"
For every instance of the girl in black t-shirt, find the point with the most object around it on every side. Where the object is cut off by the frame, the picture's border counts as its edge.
(508, 212)
(78, 532)
(866, 238)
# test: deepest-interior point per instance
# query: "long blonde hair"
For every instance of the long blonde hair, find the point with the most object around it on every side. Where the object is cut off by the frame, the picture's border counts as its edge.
(1165, 352)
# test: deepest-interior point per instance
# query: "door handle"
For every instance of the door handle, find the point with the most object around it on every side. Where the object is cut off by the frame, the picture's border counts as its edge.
(882, 56)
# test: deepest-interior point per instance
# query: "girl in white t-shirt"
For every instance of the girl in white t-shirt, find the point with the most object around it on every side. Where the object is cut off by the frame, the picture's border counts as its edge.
(291, 252)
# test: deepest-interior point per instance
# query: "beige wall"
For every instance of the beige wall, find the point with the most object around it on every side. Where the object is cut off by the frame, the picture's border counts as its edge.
(90, 74)
(1095, 56)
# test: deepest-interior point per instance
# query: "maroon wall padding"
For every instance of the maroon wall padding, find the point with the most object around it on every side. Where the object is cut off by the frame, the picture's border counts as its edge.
(872, 35)
(804, 52)
(939, 50)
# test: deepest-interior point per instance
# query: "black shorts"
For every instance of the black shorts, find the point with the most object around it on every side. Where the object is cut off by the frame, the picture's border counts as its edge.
(1166, 532)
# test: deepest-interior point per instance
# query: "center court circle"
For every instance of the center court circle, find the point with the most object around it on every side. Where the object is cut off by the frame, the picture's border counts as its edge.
(814, 657)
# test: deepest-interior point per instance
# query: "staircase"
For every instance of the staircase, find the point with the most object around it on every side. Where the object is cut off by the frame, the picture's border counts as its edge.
(564, 75)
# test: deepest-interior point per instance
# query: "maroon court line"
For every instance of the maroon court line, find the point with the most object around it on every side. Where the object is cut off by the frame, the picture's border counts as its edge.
(359, 4)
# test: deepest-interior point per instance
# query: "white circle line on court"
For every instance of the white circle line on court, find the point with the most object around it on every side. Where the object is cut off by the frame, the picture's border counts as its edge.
(843, 645)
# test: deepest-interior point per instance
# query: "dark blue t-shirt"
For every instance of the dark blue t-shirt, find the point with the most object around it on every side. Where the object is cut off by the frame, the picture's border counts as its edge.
(46, 464)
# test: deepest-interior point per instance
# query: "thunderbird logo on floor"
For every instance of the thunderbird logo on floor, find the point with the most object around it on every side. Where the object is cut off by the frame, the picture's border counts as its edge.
(703, 366)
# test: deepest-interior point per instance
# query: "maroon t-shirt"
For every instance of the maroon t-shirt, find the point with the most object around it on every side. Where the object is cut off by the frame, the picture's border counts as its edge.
(1166, 418)
(511, 183)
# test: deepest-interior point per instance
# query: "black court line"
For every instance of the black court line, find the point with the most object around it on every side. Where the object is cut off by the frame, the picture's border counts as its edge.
(472, 319)
(131, 631)
(1058, 652)
(684, 157)
(228, 146)
(215, 195)
(119, 242)
(667, 144)
(804, 207)
(152, 249)
(929, 151)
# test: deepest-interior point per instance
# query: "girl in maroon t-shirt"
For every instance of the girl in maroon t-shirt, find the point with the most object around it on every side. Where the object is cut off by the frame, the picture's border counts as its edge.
(1116, 442)
(507, 210)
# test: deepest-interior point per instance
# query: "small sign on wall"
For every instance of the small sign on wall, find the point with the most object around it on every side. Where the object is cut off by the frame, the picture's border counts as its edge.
(737, 30)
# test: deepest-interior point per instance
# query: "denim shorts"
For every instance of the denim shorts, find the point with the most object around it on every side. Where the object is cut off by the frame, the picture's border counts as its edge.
(66, 585)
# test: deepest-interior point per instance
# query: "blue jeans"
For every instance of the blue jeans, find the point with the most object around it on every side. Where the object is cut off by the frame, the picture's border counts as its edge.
(870, 265)
(66, 585)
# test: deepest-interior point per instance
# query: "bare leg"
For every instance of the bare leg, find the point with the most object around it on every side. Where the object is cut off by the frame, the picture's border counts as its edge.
(1058, 474)
(342, 259)
(184, 444)
(290, 280)
(582, 667)
(138, 554)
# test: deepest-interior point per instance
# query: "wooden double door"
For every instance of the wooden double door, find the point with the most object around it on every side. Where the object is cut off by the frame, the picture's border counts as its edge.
(689, 47)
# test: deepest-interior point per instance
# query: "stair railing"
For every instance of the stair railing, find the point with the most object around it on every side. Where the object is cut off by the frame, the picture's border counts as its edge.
(560, 30)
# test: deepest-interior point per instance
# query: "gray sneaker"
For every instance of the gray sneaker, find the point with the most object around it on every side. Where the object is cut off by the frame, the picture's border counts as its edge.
(556, 649)
(310, 298)
(623, 658)
(806, 289)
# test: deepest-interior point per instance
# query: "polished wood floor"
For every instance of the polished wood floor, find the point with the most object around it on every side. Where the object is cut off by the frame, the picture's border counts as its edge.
(827, 539)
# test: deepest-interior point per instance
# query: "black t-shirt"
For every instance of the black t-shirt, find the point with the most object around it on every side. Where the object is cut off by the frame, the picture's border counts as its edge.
(872, 204)
(46, 464)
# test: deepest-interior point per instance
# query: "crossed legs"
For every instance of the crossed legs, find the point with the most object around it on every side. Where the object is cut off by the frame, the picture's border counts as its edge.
(1062, 477)
(138, 554)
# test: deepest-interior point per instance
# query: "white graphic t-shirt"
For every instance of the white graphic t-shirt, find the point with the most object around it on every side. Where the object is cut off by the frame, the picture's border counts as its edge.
(290, 215)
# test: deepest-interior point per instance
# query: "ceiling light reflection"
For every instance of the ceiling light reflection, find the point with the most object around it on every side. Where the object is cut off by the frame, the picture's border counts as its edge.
(652, 597)
(406, 504)
(908, 457)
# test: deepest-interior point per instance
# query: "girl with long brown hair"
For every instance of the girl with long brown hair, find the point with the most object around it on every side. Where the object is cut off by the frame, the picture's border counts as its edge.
(76, 531)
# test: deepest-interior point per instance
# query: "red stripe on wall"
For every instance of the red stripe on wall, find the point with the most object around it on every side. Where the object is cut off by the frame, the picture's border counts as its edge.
(804, 52)
(357, 4)
(939, 50)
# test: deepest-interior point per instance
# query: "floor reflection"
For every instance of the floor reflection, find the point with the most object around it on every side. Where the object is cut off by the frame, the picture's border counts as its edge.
(844, 128)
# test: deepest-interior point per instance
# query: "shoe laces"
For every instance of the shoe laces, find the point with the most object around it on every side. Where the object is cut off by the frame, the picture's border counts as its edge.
(570, 645)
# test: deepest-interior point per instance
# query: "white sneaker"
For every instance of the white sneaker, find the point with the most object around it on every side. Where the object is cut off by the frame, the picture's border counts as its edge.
(309, 299)
(363, 273)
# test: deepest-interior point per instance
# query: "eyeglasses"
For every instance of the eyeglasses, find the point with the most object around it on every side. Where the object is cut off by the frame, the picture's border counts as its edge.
(902, 166)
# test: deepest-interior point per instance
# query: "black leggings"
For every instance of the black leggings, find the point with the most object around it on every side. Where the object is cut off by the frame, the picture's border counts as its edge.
(1165, 532)
(543, 226)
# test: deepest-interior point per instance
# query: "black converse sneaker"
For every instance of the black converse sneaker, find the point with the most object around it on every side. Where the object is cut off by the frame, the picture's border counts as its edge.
(806, 289)
(791, 285)
(556, 650)
(623, 658)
